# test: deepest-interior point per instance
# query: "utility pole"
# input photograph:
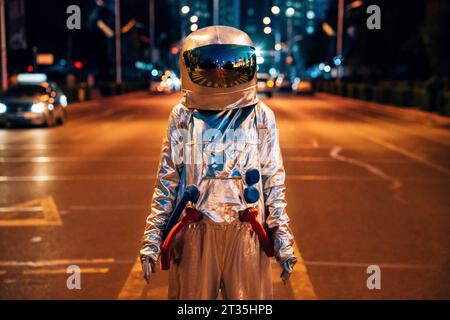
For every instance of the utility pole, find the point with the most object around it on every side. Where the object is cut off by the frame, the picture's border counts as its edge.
(215, 12)
(340, 29)
(3, 47)
(151, 17)
(118, 46)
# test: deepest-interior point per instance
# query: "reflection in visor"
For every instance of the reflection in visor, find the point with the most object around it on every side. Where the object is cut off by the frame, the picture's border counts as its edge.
(221, 65)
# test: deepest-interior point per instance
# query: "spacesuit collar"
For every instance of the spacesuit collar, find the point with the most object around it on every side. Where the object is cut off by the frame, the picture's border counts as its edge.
(220, 101)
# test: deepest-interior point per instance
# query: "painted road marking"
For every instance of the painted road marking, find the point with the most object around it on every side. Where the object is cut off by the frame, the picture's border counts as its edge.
(76, 159)
(152, 177)
(134, 285)
(75, 178)
(63, 271)
(46, 205)
(335, 153)
(300, 284)
(366, 264)
(361, 179)
(407, 154)
(300, 281)
(57, 262)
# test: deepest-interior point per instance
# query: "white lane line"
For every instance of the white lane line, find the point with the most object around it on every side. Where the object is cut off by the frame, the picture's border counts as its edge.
(76, 159)
(335, 153)
(356, 178)
(288, 159)
(58, 262)
(366, 264)
(152, 177)
(63, 271)
(109, 207)
(39, 146)
(407, 154)
(75, 178)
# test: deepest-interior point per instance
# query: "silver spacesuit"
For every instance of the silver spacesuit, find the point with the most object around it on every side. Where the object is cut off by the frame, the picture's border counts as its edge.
(218, 132)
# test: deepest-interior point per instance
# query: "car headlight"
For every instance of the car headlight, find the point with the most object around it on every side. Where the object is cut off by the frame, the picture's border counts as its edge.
(3, 108)
(63, 100)
(38, 107)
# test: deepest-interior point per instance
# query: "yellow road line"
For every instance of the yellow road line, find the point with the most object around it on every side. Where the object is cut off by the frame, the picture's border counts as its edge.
(63, 271)
(50, 214)
(299, 284)
(134, 285)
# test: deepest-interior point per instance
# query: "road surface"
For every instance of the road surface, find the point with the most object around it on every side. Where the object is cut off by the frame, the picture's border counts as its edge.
(366, 186)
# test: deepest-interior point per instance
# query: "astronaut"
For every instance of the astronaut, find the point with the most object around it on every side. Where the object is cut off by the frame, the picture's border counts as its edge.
(217, 132)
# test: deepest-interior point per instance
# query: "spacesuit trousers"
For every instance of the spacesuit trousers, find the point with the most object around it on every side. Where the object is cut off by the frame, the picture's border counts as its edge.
(208, 257)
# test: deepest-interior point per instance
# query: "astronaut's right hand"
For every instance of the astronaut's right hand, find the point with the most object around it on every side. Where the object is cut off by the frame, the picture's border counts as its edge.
(147, 263)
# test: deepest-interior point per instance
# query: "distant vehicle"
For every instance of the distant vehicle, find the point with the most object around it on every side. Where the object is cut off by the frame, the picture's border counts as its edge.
(265, 85)
(33, 101)
(283, 83)
(302, 87)
(169, 83)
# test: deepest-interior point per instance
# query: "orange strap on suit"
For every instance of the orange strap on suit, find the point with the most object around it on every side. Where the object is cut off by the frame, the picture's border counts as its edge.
(249, 215)
(192, 215)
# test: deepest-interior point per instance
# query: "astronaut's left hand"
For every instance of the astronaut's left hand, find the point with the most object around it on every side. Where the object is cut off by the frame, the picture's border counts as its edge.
(287, 266)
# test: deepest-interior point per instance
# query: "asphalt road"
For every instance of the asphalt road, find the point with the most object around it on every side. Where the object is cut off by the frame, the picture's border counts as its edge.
(366, 186)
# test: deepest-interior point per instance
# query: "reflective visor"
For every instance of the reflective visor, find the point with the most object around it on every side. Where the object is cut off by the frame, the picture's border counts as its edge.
(220, 65)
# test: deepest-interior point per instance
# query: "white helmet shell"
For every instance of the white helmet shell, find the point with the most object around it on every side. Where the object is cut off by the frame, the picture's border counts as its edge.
(216, 98)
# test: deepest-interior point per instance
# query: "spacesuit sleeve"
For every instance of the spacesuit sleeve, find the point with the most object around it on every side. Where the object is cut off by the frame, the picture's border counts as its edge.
(273, 180)
(165, 191)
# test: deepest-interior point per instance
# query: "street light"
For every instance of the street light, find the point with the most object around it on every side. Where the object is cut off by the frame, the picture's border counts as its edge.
(278, 46)
(194, 19)
(185, 9)
(275, 10)
(194, 27)
(310, 14)
(267, 30)
(290, 12)
(266, 20)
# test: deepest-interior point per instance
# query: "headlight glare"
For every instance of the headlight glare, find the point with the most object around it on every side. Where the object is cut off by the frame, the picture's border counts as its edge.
(38, 107)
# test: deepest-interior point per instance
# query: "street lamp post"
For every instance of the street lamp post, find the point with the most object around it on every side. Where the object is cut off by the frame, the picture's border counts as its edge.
(289, 14)
(215, 12)
(118, 45)
(3, 47)
(339, 38)
(151, 15)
